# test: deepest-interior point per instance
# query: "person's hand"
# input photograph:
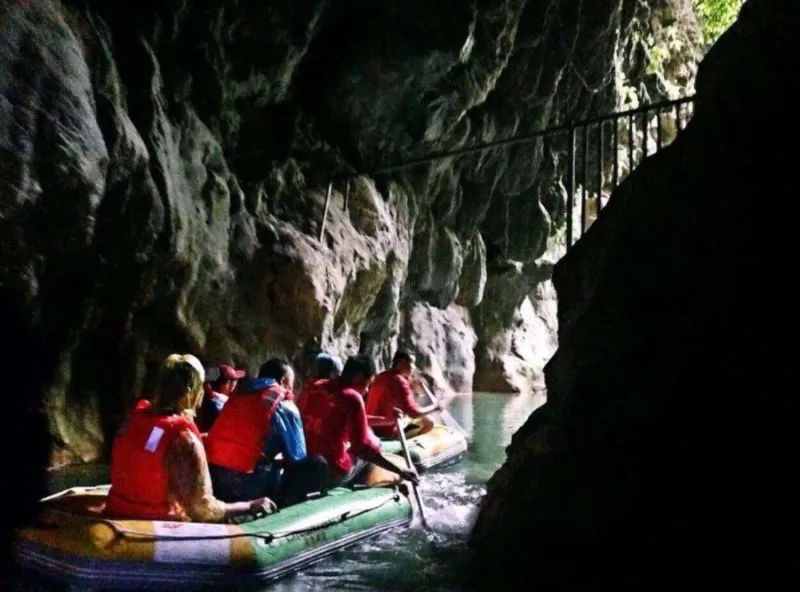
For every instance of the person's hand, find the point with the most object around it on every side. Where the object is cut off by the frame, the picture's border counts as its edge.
(416, 384)
(261, 507)
(407, 475)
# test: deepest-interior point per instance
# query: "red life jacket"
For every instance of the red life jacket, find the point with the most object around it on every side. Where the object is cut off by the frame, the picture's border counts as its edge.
(139, 482)
(325, 428)
(335, 424)
(237, 438)
(311, 389)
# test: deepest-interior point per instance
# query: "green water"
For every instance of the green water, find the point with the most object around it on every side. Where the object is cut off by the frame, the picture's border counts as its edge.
(413, 559)
(408, 559)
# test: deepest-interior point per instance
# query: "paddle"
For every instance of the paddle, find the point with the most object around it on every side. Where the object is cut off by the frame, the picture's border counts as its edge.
(407, 454)
(446, 416)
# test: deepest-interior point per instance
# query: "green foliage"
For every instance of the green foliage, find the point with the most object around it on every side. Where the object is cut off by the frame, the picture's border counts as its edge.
(716, 16)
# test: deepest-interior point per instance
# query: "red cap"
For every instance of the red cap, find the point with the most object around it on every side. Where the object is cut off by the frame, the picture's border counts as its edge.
(230, 373)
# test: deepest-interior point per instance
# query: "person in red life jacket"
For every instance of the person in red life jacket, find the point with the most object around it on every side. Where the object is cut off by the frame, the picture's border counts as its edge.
(159, 469)
(334, 419)
(258, 423)
(220, 383)
(325, 367)
(392, 390)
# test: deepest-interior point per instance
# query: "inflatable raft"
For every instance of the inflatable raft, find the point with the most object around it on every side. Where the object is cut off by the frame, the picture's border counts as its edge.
(73, 542)
(439, 447)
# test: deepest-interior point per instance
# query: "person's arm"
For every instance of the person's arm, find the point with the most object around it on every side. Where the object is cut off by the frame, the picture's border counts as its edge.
(379, 421)
(189, 484)
(404, 397)
(429, 409)
(377, 458)
(365, 444)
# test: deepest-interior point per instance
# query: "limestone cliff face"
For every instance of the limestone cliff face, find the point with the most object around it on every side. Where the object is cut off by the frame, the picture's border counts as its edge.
(665, 445)
(164, 173)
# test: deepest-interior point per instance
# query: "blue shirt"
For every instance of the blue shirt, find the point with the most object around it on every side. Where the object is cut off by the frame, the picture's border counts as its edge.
(286, 436)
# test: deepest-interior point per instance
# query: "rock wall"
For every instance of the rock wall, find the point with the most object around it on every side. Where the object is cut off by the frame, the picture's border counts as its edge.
(663, 453)
(165, 164)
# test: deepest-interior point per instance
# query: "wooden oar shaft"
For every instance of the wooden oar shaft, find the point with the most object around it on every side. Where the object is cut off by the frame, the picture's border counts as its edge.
(407, 454)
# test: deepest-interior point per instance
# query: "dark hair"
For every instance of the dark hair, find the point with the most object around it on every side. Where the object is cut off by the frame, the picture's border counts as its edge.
(274, 368)
(356, 365)
(402, 355)
(324, 366)
(215, 384)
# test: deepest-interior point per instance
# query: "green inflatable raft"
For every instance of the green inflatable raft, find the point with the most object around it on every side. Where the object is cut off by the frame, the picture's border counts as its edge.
(74, 542)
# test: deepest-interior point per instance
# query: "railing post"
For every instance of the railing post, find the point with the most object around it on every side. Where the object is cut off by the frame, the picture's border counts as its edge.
(659, 139)
(325, 212)
(584, 177)
(600, 161)
(630, 143)
(570, 184)
(645, 126)
(615, 148)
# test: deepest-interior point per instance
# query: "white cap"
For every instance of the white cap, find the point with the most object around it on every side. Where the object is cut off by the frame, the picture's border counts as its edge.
(195, 363)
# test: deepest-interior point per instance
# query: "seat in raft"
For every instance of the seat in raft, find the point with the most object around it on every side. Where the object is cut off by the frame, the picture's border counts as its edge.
(439, 447)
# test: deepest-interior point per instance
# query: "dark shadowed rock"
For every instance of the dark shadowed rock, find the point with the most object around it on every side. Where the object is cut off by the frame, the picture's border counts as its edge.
(663, 452)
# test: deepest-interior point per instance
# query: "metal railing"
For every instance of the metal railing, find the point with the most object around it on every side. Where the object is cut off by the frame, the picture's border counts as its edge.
(669, 119)
(647, 129)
